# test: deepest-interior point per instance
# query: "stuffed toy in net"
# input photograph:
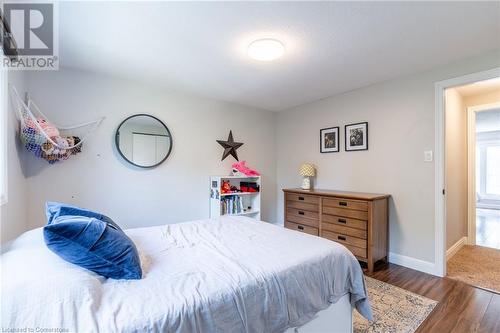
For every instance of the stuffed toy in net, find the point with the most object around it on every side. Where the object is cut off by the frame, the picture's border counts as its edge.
(43, 138)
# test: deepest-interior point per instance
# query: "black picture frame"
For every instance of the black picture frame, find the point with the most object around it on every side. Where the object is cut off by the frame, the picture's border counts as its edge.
(322, 145)
(117, 141)
(350, 142)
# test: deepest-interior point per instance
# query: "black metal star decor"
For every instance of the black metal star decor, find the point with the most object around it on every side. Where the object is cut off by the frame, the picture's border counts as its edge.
(230, 146)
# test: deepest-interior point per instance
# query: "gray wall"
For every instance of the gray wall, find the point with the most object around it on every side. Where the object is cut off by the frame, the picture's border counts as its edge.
(175, 191)
(13, 214)
(401, 127)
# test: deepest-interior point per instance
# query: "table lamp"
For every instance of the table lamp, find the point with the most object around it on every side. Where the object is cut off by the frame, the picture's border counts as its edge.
(307, 170)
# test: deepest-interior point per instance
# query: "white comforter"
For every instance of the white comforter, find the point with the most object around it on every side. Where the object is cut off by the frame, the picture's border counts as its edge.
(231, 275)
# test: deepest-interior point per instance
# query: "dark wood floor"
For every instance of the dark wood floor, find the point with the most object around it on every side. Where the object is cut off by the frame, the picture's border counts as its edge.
(461, 307)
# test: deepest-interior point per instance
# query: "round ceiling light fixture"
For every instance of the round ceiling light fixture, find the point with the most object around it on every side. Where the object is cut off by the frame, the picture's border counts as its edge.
(266, 49)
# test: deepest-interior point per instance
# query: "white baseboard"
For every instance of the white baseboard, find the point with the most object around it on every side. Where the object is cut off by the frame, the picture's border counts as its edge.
(455, 248)
(413, 263)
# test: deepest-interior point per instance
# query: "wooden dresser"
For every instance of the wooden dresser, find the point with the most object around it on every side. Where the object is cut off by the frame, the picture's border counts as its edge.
(359, 221)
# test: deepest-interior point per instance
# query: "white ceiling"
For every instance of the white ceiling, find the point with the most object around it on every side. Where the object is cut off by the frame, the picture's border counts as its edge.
(332, 47)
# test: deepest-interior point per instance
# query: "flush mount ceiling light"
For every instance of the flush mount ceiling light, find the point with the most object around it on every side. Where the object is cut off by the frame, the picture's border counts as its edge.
(266, 49)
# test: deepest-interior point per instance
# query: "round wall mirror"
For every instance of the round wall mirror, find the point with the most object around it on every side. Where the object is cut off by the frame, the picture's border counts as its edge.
(143, 140)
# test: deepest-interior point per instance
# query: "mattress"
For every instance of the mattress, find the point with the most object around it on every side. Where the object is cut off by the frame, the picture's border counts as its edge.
(233, 274)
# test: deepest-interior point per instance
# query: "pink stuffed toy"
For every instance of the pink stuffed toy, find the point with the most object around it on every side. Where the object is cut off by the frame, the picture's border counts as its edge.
(48, 128)
(240, 169)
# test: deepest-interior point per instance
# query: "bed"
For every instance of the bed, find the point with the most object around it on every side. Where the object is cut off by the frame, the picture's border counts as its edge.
(233, 274)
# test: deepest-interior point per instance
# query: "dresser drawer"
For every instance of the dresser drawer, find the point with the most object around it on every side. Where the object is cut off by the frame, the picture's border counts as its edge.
(302, 213)
(344, 212)
(357, 251)
(346, 204)
(343, 230)
(344, 239)
(301, 220)
(303, 206)
(303, 198)
(302, 228)
(302, 217)
(345, 221)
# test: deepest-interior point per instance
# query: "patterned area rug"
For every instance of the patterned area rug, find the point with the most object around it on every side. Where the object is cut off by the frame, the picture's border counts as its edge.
(394, 309)
(476, 265)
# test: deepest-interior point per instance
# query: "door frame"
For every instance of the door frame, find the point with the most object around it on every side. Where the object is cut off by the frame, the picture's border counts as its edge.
(471, 167)
(439, 170)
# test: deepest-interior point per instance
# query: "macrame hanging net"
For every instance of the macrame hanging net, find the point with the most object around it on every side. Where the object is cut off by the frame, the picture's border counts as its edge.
(45, 139)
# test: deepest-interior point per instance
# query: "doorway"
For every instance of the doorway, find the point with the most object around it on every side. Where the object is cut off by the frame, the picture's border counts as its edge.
(472, 183)
(484, 175)
(440, 253)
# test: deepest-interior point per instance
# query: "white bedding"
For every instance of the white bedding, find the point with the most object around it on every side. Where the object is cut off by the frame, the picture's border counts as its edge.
(230, 275)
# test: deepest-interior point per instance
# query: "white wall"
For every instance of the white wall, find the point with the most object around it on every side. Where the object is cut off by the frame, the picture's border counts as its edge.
(175, 191)
(13, 215)
(456, 167)
(401, 126)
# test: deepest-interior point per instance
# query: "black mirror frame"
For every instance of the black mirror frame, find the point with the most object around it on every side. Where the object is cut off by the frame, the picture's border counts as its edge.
(117, 143)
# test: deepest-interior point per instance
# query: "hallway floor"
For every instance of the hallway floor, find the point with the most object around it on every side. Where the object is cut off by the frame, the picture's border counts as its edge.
(477, 266)
(488, 228)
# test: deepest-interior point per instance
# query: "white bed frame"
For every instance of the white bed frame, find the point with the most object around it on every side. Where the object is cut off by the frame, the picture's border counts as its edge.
(337, 318)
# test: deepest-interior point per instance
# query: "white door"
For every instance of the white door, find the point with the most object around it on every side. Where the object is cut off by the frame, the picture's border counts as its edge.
(162, 147)
(144, 149)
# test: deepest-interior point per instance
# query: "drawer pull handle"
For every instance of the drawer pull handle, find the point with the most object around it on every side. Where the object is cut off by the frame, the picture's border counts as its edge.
(341, 238)
(300, 227)
(342, 203)
(301, 212)
(342, 221)
(301, 198)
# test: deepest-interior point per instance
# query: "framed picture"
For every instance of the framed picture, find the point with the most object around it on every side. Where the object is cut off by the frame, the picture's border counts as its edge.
(356, 137)
(329, 140)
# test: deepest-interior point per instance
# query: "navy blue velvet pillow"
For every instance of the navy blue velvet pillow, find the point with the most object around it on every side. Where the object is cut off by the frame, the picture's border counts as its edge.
(93, 244)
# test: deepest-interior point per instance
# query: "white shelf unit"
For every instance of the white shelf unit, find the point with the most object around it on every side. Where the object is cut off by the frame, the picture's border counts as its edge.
(249, 201)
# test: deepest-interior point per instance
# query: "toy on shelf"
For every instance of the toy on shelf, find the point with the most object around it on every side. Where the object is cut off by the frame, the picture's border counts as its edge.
(245, 187)
(240, 169)
(225, 187)
(232, 195)
(250, 187)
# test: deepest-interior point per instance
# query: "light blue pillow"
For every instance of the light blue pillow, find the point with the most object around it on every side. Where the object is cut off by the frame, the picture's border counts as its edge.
(93, 244)
(56, 209)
